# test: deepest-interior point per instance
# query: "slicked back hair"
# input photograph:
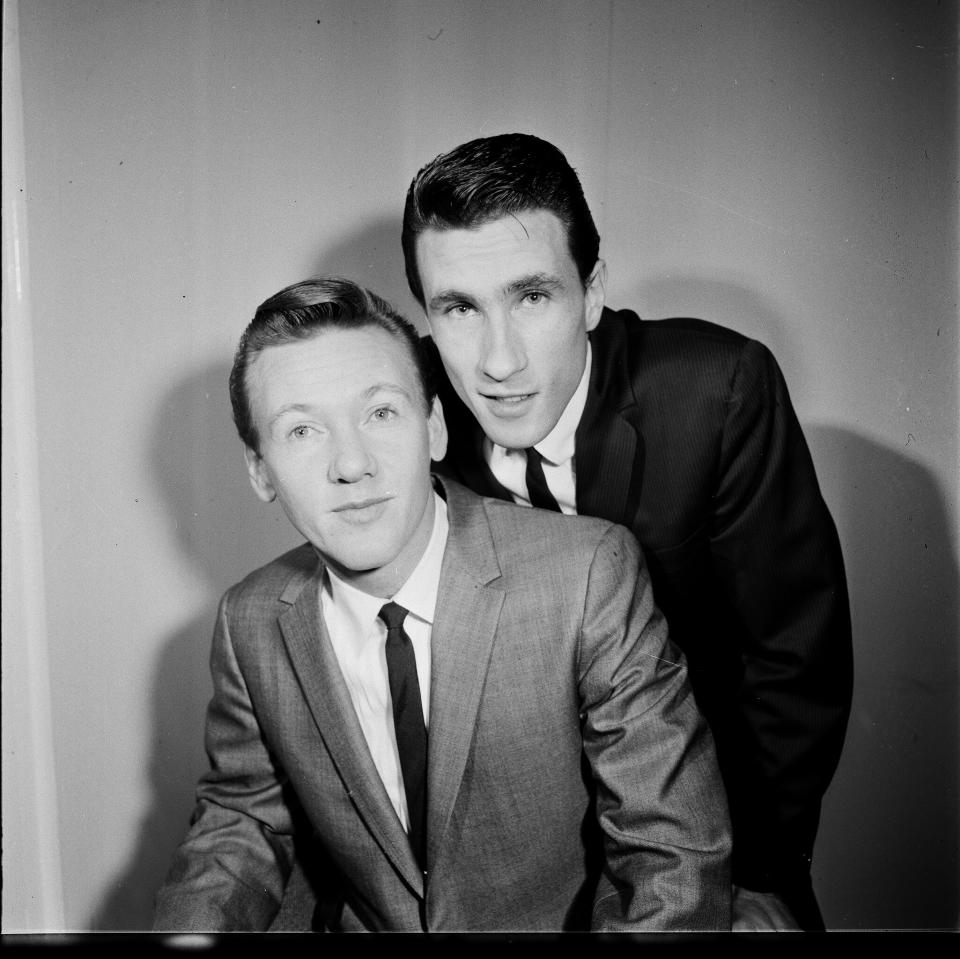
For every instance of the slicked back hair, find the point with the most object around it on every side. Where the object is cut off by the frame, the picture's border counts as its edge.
(490, 178)
(304, 310)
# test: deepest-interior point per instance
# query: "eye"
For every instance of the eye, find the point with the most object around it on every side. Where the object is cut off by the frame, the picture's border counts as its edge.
(460, 309)
(383, 414)
(301, 432)
(534, 297)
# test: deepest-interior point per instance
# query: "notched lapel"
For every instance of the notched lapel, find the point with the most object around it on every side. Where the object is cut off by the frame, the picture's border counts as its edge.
(325, 691)
(468, 613)
(609, 440)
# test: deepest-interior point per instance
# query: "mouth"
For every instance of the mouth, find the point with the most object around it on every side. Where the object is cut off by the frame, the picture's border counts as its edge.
(360, 507)
(508, 399)
(509, 402)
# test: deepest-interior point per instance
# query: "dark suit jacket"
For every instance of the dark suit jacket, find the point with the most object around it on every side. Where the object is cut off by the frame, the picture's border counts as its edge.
(689, 439)
(571, 779)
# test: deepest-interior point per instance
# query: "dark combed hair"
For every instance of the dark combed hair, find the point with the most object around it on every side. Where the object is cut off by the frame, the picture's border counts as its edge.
(305, 309)
(492, 177)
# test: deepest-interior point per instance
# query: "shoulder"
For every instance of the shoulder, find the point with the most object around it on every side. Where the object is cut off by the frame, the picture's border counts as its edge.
(548, 559)
(532, 542)
(274, 582)
(680, 356)
(510, 520)
(686, 341)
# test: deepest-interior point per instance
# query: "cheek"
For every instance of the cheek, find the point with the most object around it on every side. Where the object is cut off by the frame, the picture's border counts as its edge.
(302, 505)
(551, 356)
(403, 456)
(560, 349)
(456, 351)
(300, 489)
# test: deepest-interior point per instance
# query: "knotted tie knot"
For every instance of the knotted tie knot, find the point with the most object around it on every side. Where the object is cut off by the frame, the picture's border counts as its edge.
(393, 615)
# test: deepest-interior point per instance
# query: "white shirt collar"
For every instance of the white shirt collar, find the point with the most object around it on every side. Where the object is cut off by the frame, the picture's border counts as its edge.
(418, 594)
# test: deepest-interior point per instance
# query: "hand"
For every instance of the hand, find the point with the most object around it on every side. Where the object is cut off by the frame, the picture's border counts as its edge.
(761, 912)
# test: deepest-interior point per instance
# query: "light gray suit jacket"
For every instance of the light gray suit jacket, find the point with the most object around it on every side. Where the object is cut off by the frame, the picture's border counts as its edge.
(571, 780)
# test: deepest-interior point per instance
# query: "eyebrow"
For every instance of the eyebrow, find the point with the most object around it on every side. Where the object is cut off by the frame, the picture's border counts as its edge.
(542, 281)
(385, 387)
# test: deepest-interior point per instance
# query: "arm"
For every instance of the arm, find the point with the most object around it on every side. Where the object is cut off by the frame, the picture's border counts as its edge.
(777, 555)
(660, 799)
(231, 869)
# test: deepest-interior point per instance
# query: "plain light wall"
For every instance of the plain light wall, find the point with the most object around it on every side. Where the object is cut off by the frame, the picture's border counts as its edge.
(787, 169)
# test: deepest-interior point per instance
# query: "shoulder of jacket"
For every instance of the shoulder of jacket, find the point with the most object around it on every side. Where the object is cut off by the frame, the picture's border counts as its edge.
(542, 533)
(674, 351)
(676, 331)
(272, 579)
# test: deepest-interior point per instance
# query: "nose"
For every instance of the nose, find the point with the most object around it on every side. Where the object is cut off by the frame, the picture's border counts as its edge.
(350, 460)
(502, 351)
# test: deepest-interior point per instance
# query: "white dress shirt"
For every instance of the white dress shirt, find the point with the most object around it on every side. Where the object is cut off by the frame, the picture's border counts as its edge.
(556, 450)
(359, 638)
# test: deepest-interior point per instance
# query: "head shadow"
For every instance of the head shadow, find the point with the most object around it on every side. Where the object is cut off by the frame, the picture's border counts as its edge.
(372, 257)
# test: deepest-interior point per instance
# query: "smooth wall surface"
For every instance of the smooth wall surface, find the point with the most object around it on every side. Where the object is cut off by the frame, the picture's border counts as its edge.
(787, 169)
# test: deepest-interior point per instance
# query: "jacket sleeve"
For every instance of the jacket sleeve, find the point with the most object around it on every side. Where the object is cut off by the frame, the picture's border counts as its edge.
(660, 799)
(230, 871)
(777, 555)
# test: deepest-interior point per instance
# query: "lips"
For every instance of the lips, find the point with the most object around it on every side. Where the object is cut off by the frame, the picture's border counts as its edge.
(508, 404)
(511, 399)
(357, 507)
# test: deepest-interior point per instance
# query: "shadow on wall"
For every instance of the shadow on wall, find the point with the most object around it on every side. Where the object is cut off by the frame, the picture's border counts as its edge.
(223, 529)
(224, 532)
(887, 850)
(372, 257)
(175, 764)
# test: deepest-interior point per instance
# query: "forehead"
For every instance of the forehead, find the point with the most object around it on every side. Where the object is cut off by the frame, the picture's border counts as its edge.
(530, 241)
(331, 368)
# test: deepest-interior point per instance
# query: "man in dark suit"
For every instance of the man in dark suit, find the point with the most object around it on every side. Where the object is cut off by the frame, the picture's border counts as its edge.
(679, 429)
(454, 713)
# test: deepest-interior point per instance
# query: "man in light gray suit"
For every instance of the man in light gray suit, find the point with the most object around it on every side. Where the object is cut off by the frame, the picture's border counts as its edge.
(458, 713)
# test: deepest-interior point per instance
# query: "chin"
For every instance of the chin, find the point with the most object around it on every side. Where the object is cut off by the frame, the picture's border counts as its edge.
(358, 561)
(371, 562)
(518, 439)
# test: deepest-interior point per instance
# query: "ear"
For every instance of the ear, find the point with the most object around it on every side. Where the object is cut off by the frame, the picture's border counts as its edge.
(259, 479)
(437, 429)
(595, 294)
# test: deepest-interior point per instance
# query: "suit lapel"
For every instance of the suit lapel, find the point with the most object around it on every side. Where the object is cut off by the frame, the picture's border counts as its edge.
(325, 691)
(610, 452)
(468, 611)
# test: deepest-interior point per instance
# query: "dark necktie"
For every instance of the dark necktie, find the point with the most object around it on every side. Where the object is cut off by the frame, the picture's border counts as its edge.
(408, 723)
(537, 488)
